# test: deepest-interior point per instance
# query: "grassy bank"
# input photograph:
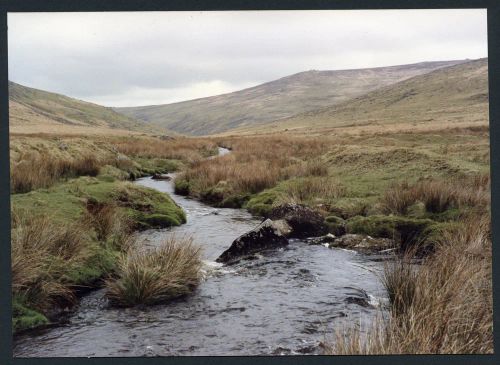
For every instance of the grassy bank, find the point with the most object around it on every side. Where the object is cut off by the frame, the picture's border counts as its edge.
(70, 236)
(346, 173)
(73, 211)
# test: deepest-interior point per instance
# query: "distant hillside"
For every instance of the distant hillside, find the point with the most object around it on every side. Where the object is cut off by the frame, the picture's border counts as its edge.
(33, 110)
(451, 95)
(274, 100)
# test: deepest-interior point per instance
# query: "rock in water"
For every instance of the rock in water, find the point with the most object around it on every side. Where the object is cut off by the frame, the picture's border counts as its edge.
(265, 236)
(160, 177)
(304, 221)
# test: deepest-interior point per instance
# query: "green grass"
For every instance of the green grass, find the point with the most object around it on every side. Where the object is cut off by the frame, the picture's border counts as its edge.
(406, 230)
(100, 262)
(66, 201)
(24, 318)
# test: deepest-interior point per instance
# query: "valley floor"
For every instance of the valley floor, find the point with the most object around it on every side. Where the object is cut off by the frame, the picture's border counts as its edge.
(427, 191)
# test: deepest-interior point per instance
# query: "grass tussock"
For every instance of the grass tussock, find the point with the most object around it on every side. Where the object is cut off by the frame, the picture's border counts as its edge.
(443, 306)
(155, 276)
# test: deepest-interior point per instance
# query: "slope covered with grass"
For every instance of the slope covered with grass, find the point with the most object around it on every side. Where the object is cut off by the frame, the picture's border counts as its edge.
(273, 100)
(454, 95)
(33, 110)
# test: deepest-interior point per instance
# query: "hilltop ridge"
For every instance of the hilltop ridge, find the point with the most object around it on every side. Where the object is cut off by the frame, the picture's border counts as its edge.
(281, 98)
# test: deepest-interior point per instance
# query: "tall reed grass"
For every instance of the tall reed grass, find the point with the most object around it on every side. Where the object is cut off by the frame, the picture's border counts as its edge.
(41, 252)
(44, 252)
(185, 149)
(438, 195)
(255, 164)
(444, 306)
(35, 170)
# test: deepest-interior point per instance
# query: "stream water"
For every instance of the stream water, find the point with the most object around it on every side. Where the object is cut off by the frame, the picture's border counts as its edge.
(284, 302)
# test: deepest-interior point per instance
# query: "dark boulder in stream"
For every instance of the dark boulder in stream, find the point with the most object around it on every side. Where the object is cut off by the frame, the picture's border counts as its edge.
(265, 236)
(304, 221)
(160, 177)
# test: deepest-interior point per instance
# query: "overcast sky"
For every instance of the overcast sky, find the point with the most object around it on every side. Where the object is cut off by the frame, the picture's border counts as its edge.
(142, 58)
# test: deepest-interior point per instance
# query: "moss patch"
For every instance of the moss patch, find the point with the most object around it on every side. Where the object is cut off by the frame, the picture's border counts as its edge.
(336, 225)
(181, 186)
(262, 203)
(149, 207)
(100, 262)
(157, 165)
(408, 231)
(235, 201)
(66, 201)
(24, 318)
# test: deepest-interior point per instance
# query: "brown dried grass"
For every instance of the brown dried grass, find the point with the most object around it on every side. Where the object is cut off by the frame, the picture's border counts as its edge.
(438, 195)
(41, 252)
(185, 149)
(256, 164)
(41, 170)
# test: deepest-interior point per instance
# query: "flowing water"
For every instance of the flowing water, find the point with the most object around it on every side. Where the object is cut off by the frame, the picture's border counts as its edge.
(283, 302)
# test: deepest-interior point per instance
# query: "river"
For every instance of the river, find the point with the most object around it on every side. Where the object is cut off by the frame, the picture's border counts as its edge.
(284, 302)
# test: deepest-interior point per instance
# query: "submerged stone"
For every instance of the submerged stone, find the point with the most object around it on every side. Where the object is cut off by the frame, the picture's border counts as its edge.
(362, 242)
(329, 238)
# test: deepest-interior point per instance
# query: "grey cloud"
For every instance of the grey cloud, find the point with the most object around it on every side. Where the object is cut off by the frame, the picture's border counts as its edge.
(110, 56)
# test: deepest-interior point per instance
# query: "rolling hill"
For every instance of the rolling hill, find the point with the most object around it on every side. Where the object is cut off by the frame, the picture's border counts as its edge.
(282, 98)
(33, 111)
(455, 95)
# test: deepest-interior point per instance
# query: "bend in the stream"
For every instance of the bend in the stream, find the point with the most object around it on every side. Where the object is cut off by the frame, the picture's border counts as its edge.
(284, 302)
